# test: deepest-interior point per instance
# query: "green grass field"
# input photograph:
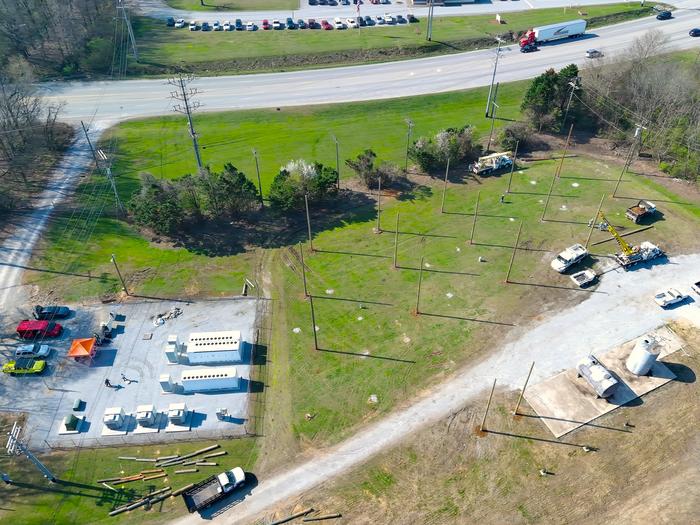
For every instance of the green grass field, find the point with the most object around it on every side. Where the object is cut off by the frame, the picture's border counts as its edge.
(233, 5)
(162, 48)
(79, 499)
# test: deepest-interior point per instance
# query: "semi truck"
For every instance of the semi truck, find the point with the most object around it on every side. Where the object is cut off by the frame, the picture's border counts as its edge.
(552, 32)
(214, 488)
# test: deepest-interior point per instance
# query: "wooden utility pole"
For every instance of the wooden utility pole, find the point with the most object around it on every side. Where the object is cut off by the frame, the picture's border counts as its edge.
(420, 282)
(444, 186)
(482, 427)
(303, 269)
(378, 229)
(566, 149)
(396, 242)
(116, 267)
(313, 321)
(549, 194)
(515, 249)
(308, 221)
(257, 170)
(337, 159)
(595, 218)
(512, 167)
(476, 212)
(522, 392)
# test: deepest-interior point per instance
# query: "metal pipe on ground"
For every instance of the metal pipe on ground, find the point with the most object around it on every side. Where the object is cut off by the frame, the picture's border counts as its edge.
(324, 517)
(293, 516)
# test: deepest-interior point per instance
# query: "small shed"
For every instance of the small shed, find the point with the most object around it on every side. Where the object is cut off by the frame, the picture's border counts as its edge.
(83, 348)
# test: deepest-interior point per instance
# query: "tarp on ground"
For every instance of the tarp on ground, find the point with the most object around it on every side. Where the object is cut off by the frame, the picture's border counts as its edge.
(83, 348)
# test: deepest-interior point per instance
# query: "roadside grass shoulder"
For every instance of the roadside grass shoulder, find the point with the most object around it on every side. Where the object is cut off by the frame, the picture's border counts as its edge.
(232, 5)
(164, 49)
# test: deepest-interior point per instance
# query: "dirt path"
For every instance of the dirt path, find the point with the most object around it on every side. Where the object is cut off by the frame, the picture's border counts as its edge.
(620, 309)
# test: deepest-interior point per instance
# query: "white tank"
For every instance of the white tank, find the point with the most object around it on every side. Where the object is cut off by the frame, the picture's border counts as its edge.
(643, 356)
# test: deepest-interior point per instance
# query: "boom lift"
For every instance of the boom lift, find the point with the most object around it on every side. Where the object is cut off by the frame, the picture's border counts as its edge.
(630, 255)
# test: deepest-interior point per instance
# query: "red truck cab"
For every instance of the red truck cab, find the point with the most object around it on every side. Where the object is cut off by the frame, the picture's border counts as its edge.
(29, 329)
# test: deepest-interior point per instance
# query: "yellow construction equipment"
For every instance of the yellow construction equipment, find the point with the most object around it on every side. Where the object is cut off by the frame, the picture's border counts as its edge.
(629, 255)
(626, 248)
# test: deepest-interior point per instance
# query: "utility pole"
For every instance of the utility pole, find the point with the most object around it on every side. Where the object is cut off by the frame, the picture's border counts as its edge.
(94, 155)
(476, 212)
(444, 186)
(408, 142)
(493, 77)
(130, 29)
(120, 206)
(257, 170)
(522, 392)
(308, 221)
(396, 241)
(515, 249)
(337, 160)
(512, 166)
(563, 155)
(313, 321)
(429, 34)
(303, 269)
(116, 267)
(638, 133)
(420, 282)
(482, 427)
(186, 106)
(574, 87)
(595, 218)
(378, 229)
(493, 118)
(16, 447)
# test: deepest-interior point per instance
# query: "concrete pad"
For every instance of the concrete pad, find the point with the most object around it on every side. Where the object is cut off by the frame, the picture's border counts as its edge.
(566, 402)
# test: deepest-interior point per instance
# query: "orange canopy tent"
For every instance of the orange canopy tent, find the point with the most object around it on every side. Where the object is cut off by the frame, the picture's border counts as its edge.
(83, 348)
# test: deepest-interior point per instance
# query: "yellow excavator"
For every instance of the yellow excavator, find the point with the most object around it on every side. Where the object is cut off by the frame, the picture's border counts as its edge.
(629, 255)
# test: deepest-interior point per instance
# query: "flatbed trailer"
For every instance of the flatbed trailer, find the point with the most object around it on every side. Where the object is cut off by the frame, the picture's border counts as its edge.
(212, 489)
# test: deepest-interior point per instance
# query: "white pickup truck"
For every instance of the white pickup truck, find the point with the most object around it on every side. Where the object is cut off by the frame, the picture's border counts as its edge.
(569, 257)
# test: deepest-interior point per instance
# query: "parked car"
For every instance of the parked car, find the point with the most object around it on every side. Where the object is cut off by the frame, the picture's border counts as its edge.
(217, 26)
(312, 24)
(325, 25)
(313, 2)
(290, 24)
(228, 26)
(35, 350)
(400, 19)
(301, 24)
(664, 15)
(351, 22)
(29, 329)
(24, 366)
(322, 2)
(380, 20)
(374, 1)
(265, 25)
(369, 20)
(528, 48)
(389, 19)
(411, 18)
(194, 25)
(48, 313)
(668, 297)
(250, 26)
(593, 53)
(206, 26)
(180, 23)
(694, 32)
(332, 2)
(239, 25)
(345, 2)
(566, 259)
(170, 21)
(338, 23)
(385, 1)
(360, 21)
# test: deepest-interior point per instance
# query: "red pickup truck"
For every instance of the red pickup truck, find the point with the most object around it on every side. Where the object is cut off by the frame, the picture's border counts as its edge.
(29, 329)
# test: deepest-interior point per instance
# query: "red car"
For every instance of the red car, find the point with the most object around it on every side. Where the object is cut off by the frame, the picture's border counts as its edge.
(29, 329)
(325, 25)
(266, 25)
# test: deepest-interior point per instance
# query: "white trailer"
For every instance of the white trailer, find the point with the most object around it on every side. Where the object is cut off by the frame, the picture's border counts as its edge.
(208, 379)
(214, 347)
(551, 32)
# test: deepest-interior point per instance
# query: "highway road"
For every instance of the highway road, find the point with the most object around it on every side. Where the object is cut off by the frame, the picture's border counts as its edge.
(114, 101)
(159, 9)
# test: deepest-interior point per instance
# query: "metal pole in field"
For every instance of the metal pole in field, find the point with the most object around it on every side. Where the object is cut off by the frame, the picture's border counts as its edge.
(493, 78)
(488, 405)
(337, 159)
(444, 186)
(378, 229)
(566, 149)
(396, 241)
(476, 212)
(522, 392)
(116, 267)
(429, 34)
(515, 249)
(546, 203)
(420, 282)
(130, 29)
(313, 321)
(493, 121)
(308, 221)
(512, 166)
(303, 269)
(16, 447)
(257, 170)
(595, 218)
(408, 141)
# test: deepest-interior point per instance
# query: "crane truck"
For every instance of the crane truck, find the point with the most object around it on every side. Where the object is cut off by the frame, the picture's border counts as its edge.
(491, 163)
(209, 491)
(630, 255)
(549, 33)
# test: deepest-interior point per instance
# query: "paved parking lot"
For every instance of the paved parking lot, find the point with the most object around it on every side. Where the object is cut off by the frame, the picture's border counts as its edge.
(49, 397)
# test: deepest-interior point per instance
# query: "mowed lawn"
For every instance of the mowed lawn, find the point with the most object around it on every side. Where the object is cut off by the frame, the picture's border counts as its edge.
(233, 5)
(78, 498)
(164, 46)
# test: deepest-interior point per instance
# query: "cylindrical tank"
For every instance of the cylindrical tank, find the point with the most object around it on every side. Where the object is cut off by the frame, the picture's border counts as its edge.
(643, 356)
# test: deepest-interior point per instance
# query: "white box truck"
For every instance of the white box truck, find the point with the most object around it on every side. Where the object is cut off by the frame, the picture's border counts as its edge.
(551, 32)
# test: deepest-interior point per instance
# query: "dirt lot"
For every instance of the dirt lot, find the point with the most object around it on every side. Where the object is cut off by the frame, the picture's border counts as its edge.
(642, 466)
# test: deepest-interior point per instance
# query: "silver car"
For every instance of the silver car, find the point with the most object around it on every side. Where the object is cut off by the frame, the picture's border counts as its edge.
(35, 350)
